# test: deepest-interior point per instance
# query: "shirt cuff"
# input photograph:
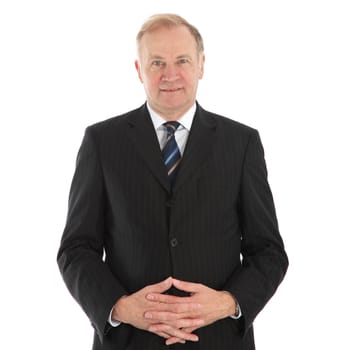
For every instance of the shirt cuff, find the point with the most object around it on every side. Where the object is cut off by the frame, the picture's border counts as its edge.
(112, 322)
(239, 313)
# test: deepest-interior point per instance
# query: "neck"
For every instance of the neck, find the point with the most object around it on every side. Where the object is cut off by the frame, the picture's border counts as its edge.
(170, 115)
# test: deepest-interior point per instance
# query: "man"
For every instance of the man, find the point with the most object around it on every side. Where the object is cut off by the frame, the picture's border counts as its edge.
(171, 236)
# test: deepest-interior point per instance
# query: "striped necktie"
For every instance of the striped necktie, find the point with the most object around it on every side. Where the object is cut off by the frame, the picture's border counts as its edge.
(171, 152)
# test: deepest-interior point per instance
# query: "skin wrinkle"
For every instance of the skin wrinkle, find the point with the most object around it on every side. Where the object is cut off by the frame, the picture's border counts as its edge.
(170, 67)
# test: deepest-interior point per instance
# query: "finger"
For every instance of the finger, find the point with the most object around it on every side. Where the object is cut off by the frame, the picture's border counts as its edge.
(174, 340)
(186, 286)
(172, 332)
(161, 316)
(160, 287)
(164, 335)
(188, 323)
(191, 308)
(190, 329)
(173, 319)
(167, 299)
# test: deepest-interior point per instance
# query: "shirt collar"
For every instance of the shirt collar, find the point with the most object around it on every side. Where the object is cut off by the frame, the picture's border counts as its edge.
(186, 120)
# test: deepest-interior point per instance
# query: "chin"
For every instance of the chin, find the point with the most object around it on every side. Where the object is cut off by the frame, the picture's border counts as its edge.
(174, 102)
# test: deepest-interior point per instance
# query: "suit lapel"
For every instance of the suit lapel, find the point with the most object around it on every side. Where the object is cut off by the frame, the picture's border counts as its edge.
(199, 145)
(142, 133)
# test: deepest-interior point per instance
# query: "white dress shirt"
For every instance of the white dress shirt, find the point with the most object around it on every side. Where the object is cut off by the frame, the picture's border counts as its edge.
(181, 133)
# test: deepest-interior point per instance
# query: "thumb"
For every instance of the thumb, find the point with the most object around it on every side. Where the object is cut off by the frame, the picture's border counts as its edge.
(186, 286)
(162, 286)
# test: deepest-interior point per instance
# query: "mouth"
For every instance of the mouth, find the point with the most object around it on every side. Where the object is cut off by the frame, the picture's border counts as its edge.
(170, 89)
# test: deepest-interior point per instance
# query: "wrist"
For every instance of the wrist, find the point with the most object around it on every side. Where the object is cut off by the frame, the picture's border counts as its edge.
(232, 305)
(117, 311)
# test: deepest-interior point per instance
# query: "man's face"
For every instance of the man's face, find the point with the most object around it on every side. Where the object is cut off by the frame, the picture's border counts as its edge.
(169, 67)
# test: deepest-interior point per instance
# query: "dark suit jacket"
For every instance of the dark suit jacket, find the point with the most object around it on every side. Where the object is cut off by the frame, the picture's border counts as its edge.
(126, 229)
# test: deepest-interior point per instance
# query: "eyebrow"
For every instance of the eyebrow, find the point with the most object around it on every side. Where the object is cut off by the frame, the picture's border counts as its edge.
(156, 57)
(152, 57)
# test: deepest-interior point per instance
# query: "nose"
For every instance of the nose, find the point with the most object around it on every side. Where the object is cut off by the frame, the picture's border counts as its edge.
(170, 72)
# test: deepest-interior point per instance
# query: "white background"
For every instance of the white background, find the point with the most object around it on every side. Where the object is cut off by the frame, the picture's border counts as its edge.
(279, 66)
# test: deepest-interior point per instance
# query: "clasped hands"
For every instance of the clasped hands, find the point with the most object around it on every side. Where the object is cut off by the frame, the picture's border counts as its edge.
(171, 317)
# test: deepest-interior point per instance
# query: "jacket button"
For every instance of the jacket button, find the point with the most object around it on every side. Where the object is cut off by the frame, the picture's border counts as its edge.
(174, 242)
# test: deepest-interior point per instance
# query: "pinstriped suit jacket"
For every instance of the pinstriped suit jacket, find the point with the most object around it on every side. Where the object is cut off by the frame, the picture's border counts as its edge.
(127, 229)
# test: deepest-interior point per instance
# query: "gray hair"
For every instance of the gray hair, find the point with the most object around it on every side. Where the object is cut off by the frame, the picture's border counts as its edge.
(170, 20)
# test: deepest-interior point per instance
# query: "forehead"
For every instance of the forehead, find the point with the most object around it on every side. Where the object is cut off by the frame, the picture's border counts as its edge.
(163, 41)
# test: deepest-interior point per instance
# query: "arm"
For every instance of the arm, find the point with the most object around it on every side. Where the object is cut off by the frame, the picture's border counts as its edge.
(80, 256)
(264, 261)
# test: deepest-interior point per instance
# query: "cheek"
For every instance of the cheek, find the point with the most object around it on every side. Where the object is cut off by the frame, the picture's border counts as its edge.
(191, 82)
(152, 83)
(191, 77)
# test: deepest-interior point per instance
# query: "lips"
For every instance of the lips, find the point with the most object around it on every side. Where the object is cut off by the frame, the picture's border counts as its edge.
(170, 89)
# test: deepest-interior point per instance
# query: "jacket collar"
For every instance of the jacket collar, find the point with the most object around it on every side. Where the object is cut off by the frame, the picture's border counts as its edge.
(199, 145)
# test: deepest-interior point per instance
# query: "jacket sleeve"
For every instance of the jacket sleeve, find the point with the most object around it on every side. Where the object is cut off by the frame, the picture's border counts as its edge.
(80, 256)
(264, 260)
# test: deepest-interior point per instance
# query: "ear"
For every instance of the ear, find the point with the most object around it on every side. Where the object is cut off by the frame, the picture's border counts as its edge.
(201, 66)
(138, 68)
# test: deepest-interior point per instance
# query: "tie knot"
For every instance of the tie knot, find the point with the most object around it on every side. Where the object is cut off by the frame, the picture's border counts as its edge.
(171, 126)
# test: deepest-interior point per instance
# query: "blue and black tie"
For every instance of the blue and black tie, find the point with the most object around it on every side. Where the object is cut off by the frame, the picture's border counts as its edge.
(171, 152)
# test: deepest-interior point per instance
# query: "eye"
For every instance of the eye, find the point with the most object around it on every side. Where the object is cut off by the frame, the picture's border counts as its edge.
(157, 63)
(183, 60)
